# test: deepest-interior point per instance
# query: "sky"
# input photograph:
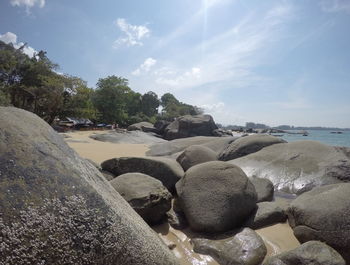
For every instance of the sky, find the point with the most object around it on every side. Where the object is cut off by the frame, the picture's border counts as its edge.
(273, 62)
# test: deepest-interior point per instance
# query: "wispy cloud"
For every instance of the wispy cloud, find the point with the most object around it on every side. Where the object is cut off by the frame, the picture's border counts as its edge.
(10, 37)
(28, 4)
(175, 79)
(145, 67)
(133, 34)
(332, 6)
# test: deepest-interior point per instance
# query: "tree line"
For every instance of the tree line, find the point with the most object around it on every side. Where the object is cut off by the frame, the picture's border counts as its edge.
(35, 85)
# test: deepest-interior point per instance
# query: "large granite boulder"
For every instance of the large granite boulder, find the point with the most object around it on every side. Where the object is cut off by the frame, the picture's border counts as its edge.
(128, 137)
(168, 171)
(298, 166)
(247, 145)
(310, 253)
(245, 247)
(189, 126)
(161, 126)
(146, 195)
(264, 189)
(194, 155)
(323, 214)
(57, 208)
(142, 126)
(216, 196)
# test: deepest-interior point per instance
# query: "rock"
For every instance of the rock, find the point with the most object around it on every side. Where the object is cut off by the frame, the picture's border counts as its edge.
(96, 165)
(267, 213)
(57, 208)
(128, 137)
(221, 133)
(310, 253)
(323, 214)
(247, 145)
(188, 126)
(264, 189)
(108, 175)
(142, 126)
(298, 166)
(177, 219)
(146, 195)
(246, 247)
(216, 196)
(168, 148)
(166, 170)
(161, 126)
(195, 154)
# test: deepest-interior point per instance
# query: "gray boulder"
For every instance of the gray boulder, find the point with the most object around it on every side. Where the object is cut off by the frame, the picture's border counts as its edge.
(247, 145)
(142, 126)
(216, 196)
(189, 126)
(128, 137)
(323, 214)
(310, 253)
(195, 154)
(57, 208)
(267, 213)
(161, 126)
(146, 195)
(246, 247)
(166, 170)
(298, 166)
(264, 189)
(108, 175)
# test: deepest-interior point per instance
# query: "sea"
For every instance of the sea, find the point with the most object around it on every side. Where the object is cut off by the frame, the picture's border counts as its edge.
(323, 136)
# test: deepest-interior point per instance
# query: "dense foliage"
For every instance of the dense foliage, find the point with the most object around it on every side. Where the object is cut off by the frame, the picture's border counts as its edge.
(35, 85)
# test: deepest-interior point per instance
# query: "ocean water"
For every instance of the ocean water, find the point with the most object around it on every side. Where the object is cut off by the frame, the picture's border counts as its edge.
(323, 136)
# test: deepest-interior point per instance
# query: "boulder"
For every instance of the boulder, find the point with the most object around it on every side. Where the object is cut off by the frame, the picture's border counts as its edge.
(166, 170)
(188, 126)
(161, 126)
(216, 196)
(323, 214)
(247, 145)
(264, 189)
(246, 247)
(142, 126)
(128, 137)
(195, 154)
(298, 166)
(57, 208)
(267, 213)
(146, 195)
(310, 253)
(108, 175)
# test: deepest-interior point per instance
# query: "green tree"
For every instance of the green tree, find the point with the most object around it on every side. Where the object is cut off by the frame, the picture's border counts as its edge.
(168, 99)
(150, 104)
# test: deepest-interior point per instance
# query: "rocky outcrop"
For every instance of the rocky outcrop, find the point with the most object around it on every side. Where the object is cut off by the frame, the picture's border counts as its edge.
(161, 126)
(323, 214)
(194, 155)
(264, 189)
(189, 126)
(267, 213)
(128, 137)
(298, 166)
(246, 247)
(57, 208)
(166, 170)
(146, 195)
(247, 145)
(312, 252)
(215, 196)
(142, 126)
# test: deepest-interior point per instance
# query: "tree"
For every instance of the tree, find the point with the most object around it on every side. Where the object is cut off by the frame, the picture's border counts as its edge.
(110, 99)
(168, 99)
(150, 104)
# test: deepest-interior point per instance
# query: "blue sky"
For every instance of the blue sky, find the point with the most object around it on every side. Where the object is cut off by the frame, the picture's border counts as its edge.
(275, 62)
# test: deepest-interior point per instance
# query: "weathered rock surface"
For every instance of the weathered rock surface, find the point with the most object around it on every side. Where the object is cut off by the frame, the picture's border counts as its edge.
(128, 137)
(166, 170)
(168, 148)
(247, 145)
(267, 213)
(142, 126)
(264, 189)
(323, 214)
(108, 175)
(189, 126)
(194, 155)
(161, 126)
(298, 166)
(216, 196)
(246, 247)
(146, 195)
(57, 208)
(310, 253)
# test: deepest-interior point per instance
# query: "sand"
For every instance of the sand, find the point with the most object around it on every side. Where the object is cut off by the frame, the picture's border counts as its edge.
(278, 237)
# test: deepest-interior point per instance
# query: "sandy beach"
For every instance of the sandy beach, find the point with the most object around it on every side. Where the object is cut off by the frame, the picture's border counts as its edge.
(278, 237)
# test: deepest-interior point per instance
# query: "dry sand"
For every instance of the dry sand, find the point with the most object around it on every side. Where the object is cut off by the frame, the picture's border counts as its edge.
(278, 238)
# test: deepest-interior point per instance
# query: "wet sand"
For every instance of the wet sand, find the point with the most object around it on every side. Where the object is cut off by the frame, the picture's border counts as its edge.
(278, 237)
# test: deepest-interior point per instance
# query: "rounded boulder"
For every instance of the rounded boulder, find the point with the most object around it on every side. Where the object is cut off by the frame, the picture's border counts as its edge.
(194, 155)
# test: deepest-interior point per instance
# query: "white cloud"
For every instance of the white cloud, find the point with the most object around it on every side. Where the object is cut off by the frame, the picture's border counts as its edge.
(175, 79)
(133, 33)
(28, 3)
(10, 37)
(335, 6)
(145, 67)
